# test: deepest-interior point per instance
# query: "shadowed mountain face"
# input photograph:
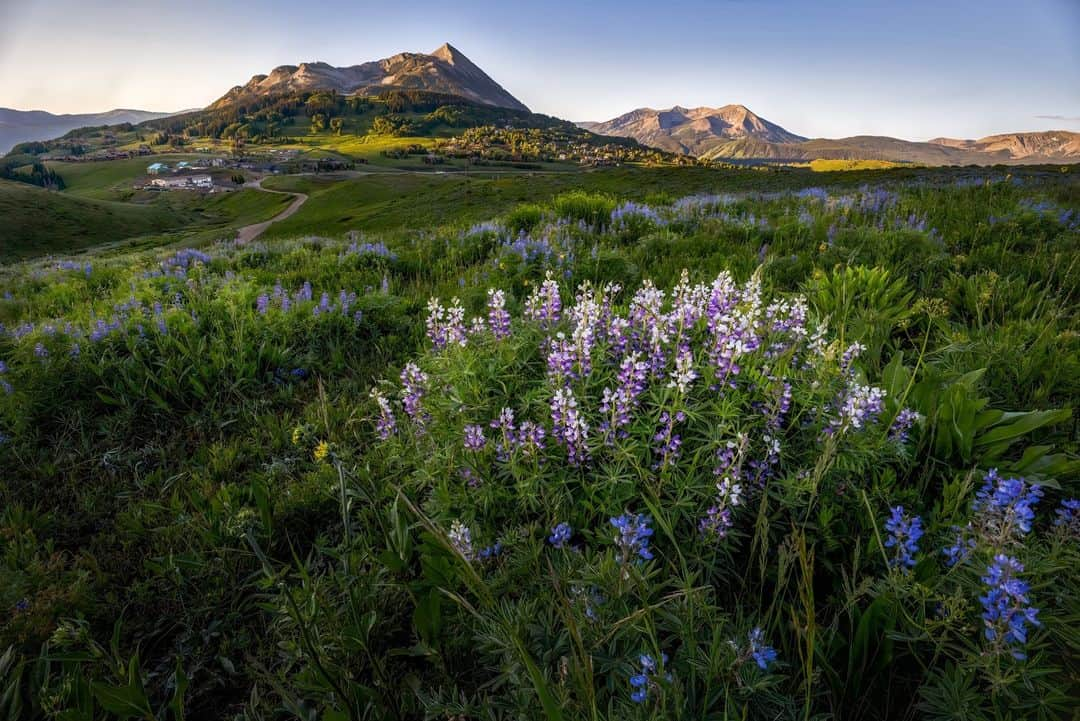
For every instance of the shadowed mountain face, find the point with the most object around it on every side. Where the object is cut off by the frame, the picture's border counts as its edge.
(445, 70)
(733, 132)
(20, 126)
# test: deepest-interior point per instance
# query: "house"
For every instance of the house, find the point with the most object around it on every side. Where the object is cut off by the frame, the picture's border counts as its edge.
(183, 182)
(156, 168)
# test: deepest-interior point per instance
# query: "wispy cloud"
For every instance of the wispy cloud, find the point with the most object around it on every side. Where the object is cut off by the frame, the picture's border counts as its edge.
(1067, 118)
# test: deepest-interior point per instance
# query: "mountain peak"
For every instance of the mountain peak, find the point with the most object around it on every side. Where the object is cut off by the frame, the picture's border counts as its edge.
(448, 53)
(446, 70)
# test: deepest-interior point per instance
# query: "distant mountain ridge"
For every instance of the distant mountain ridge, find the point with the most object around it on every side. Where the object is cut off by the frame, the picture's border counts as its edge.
(445, 70)
(733, 132)
(692, 131)
(20, 126)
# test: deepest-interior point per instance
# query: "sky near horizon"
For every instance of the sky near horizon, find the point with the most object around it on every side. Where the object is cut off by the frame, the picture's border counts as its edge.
(912, 69)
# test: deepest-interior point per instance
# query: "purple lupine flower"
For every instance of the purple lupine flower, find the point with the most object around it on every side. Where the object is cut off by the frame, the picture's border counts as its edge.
(858, 406)
(498, 317)
(668, 443)
(684, 373)
(489, 552)
(262, 304)
(41, 351)
(905, 419)
(544, 304)
(530, 438)
(561, 359)
(474, 438)
(507, 438)
(632, 538)
(385, 424)
(461, 539)
(560, 535)
(648, 678)
(414, 382)
(569, 427)
(852, 352)
(904, 533)
(1006, 613)
(619, 403)
(718, 519)
(446, 326)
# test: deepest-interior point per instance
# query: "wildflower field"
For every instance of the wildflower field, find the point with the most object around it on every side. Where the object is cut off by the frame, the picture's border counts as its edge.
(798, 452)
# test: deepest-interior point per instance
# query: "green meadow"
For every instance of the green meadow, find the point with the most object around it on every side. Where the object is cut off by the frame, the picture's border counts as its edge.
(613, 443)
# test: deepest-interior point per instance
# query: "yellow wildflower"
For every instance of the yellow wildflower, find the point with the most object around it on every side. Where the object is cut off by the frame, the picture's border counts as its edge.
(322, 451)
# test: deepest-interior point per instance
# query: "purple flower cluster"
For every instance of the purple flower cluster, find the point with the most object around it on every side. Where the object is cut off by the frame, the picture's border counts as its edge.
(385, 424)
(461, 539)
(905, 531)
(1006, 613)
(618, 404)
(631, 212)
(377, 249)
(498, 316)
(858, 406)
(569, 426)
(446, 326)
(902, 424)
(527, 438)
(544, 304)
(414, 386)
(718, 519)
(474, 438)
(667, 443)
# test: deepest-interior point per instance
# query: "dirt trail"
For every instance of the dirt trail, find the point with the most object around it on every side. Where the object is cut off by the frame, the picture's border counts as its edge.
(251, 232)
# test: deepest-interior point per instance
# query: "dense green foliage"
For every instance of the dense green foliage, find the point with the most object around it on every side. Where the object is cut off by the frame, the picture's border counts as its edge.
(199, 514)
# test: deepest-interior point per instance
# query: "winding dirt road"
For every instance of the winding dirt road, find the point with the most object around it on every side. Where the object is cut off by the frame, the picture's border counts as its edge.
(251, 232)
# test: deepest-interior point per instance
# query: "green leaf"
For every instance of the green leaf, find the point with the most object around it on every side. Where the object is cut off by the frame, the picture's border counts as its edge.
(122, 701)
(1014, 425)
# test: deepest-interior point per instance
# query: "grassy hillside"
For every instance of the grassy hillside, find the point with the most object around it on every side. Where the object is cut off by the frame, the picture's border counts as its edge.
(38, 222)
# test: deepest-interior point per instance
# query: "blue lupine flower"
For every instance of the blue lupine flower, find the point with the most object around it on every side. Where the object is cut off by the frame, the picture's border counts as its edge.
(960, 550)
(560, 535)
(1006, 506)
(904, 534)
(1006, 610)
(646, 679)
(633, 536)
(1068, 515)
(490, 551)
(763, 654)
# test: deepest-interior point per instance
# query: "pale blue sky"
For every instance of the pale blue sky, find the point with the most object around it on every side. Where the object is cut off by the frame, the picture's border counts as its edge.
(908, 68)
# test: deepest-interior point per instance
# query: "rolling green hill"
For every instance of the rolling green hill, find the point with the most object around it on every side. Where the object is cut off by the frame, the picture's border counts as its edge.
(39, 222)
